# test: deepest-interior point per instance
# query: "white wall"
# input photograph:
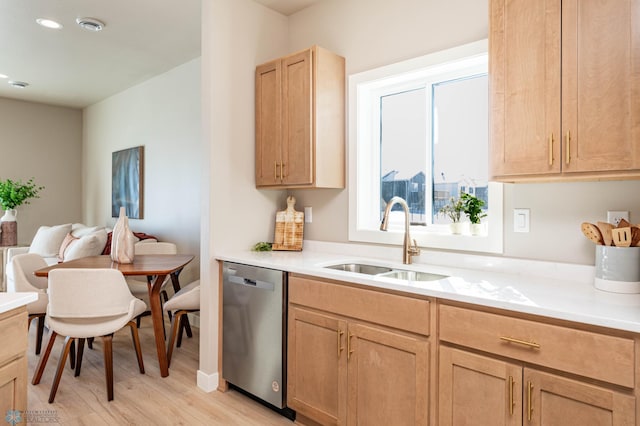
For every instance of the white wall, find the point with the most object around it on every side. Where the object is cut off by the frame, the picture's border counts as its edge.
(237, 36)
(162, 114)
(369, 34)
(372, 33)
(43, 142)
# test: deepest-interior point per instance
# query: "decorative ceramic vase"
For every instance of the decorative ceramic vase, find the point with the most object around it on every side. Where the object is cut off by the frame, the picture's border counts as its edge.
(457, 227)
(477, 229)
(122, 240)
(9, 216)
(9, 228)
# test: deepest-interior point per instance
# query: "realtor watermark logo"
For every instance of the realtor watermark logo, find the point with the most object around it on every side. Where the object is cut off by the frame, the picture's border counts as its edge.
(15, 417)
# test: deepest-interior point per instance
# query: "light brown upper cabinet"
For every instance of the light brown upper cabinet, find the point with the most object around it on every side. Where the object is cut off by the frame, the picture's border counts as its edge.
(564, 89)
(300, 121)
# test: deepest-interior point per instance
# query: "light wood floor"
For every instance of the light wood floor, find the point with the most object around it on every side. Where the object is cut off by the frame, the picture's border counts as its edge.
(139, 399)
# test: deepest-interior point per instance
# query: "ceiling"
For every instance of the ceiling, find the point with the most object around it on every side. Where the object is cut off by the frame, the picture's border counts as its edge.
(74, 67)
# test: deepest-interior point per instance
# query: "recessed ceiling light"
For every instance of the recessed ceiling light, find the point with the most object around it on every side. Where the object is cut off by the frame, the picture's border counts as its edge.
(18, 84)
(90, 24)
(49, 23)
(4, 76)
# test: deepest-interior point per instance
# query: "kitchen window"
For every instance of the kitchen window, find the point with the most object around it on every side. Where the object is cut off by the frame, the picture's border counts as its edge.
(419, 130)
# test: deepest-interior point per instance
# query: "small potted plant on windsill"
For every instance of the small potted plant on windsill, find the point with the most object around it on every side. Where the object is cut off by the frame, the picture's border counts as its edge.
(454, 210)
(473, 209)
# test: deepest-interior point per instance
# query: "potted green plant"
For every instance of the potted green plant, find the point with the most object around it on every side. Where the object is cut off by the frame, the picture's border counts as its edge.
(473, 210)
(14, 193)
(454, 210)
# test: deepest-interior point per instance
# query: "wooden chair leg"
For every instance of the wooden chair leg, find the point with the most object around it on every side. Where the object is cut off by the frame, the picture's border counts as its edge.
(181, 326)
(72, 355)
(108, 364)
(68, 343)
(90, 342)
(31, 318)
(187, 327)
(79, 358)
(39, 333)
(175, 324)
(136, 345)
(42, 362)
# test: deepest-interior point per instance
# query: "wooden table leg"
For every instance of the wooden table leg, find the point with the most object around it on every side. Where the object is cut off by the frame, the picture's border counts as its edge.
(157, 318)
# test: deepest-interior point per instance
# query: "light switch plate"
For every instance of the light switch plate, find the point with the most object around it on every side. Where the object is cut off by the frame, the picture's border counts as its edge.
(614, 216)
(521, 220)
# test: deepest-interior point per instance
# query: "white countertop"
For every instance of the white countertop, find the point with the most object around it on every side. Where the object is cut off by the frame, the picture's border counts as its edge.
(9, 301)
(540, 288)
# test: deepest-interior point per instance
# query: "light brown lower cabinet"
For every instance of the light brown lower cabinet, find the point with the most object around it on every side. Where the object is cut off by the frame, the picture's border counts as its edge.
(478, 389)
(344, 371)
(13, 361)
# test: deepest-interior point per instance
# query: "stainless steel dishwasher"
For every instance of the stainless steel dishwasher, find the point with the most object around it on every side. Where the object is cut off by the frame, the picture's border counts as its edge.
(254, 332)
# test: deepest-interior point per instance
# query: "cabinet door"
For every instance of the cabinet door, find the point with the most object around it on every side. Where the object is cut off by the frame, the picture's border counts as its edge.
(553, 400)
(524, 68)
(13, 386)
(297, 119)
(317, 372)
(388, 378)
(268, 123)
(478, 390)
(601, 84)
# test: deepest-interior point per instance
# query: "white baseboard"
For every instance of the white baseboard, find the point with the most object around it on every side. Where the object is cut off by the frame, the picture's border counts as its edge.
(207, 382)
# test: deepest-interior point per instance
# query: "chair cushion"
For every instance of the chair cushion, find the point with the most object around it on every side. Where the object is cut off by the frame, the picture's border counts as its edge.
(48, 240)
(188, 298)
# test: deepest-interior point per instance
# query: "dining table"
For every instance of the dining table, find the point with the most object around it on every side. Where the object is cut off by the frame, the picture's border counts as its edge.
(154, 266)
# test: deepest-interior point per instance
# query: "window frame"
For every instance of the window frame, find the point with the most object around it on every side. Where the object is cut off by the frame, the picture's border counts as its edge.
(364, 158)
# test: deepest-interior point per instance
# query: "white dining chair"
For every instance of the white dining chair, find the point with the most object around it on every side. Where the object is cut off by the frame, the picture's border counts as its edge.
(184, 301)
(22, 279)
(84, 303)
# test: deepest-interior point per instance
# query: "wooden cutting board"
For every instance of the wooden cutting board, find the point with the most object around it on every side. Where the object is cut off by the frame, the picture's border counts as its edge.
(289, 228)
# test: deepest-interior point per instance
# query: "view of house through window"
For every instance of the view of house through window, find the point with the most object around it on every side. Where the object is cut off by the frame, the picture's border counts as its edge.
(434, 145)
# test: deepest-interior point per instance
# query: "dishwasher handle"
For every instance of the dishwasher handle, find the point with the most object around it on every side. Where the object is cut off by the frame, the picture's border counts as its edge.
(238, 280)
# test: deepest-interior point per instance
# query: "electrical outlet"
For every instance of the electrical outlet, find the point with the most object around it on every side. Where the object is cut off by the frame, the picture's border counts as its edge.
(615, 216)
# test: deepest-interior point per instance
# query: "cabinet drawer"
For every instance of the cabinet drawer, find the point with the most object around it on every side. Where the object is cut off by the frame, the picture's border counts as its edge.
(585, 353)
(401, 312)
(13, 329)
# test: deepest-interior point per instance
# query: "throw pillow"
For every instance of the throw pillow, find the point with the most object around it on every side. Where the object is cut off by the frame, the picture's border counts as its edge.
(48, 240)
(88, 245)
(65, 243)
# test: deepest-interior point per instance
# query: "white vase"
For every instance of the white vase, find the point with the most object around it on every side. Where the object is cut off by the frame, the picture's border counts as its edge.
(477, 229)
(9, 228)
(122, 240)
(9, 216)
(457, 227)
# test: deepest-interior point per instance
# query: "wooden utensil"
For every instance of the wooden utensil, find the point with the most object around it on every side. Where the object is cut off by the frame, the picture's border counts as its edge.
(289, 228)
(635, 236)
(605, 229)
(622, 236)
(623, 224)
(592, 232)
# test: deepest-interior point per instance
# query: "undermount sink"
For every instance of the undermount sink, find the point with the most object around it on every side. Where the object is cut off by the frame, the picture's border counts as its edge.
(413, 275)
(383, 271)
(360, 268)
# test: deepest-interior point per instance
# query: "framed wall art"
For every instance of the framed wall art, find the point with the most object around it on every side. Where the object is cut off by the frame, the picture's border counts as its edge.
(127, 171)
